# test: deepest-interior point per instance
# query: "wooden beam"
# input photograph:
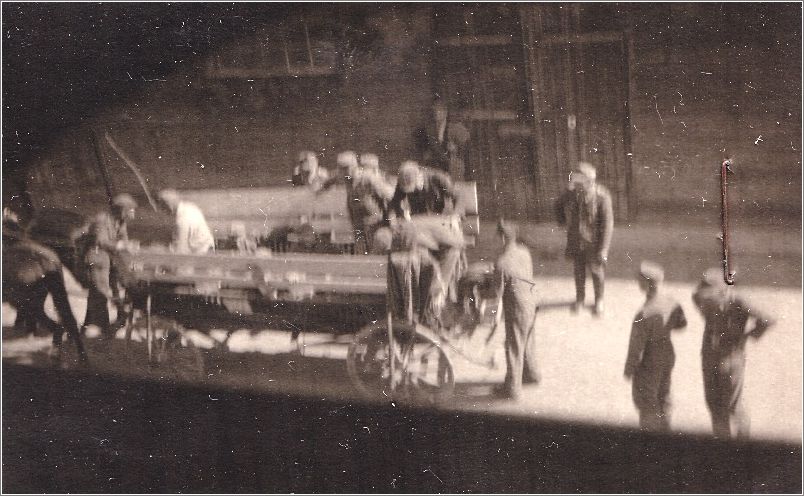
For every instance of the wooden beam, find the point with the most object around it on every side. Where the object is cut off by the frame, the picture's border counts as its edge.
(595, 37)
(487, 115)
(477, 40)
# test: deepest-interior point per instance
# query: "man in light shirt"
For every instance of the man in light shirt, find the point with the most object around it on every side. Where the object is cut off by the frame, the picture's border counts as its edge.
(191, 234)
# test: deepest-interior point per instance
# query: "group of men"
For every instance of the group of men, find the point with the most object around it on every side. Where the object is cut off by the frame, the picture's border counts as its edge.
(374, 204)
(384, 220)
(107, 235)
(730, 320)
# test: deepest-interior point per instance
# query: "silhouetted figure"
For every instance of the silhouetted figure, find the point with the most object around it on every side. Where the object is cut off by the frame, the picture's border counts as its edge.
(651, 356)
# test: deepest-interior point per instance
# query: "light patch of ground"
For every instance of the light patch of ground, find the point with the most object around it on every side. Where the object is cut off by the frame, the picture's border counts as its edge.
(581, 359)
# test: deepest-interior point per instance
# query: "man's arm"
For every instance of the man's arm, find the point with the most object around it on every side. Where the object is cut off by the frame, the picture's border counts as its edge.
(607, 224)
(101, 230)
(395, 205)
(761, 321)
(443, 182)
(636, 345)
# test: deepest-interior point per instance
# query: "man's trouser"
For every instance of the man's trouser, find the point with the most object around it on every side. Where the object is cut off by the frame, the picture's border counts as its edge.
(723, 386)
(30, 301)
(582, 261)
(651, 386)
(100, 275)
(519, 347)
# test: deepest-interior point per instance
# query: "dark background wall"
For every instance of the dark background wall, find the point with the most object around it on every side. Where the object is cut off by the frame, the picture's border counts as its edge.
(704, 81)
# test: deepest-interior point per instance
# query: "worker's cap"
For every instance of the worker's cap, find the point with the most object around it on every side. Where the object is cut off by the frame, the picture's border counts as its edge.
(714, 277)
(408, 174)
(347, 159)
(585, 169)
(651, 271)
(308, 159)
(169, 196)
(507, 229)
(124, 201)
(370, 161)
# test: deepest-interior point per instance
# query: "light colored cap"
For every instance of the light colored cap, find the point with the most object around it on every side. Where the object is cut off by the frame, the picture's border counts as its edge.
(508, 229)
(587, 170)
(408, 173)
(169, 196)
(714, 277)
(308, 159)
(370, 161)
(651, 271)
(124, 200)
(347, 159)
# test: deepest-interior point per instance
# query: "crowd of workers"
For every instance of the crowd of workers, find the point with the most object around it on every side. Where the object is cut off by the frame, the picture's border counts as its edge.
(388, 217)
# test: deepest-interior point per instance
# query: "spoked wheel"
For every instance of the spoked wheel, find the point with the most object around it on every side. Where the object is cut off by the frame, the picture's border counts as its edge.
(422, 372)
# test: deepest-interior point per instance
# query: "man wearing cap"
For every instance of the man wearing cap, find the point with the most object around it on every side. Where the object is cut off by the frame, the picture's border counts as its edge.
(372, 176)
(586, 209)
(651, 357)
(191, 233)
(106, 235)
(423, 191)
(514, 276)
(727, 317)
(308, 173)
(440, 142)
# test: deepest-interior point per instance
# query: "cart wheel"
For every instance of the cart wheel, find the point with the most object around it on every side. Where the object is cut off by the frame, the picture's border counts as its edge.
(422, 371)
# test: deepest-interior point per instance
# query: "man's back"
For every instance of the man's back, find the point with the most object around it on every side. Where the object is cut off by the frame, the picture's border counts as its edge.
(192, 233)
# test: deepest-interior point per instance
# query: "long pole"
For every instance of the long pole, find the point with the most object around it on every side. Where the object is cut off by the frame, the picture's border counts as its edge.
(725, 169)
(102, 167)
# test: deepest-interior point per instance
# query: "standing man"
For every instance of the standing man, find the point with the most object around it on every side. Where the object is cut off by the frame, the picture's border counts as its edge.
(726, 330)
(440, 143)
(651, 356)
(308, 173)
(191, 233)
(106, 235)
(585, 208)
(514, 273)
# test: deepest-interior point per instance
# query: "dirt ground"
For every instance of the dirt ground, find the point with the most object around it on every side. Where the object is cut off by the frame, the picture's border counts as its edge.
(581, 359)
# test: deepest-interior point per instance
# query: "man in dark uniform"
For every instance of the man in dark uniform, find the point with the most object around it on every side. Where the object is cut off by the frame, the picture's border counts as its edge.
(727, 316)
(428, 194)
(650, 352)
(586, 209)
(423, 191)
(106, 235)
(514, 273)
(441, 142)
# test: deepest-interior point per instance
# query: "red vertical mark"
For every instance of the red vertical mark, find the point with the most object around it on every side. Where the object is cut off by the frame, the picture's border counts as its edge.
(725, 169)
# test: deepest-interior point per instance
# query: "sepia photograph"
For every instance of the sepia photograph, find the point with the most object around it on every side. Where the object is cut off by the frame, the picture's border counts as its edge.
(401, 247)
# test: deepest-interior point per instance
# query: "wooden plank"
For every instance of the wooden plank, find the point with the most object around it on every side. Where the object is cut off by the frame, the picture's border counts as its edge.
(475, 40)
(581, 38)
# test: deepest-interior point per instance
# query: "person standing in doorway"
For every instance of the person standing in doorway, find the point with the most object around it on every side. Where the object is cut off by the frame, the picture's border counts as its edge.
(586, 210)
